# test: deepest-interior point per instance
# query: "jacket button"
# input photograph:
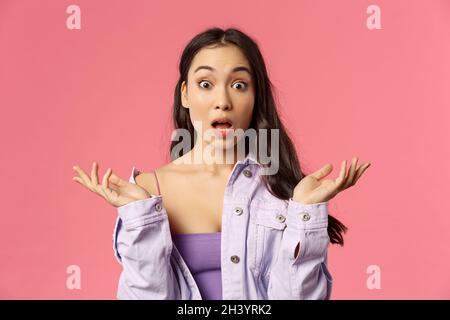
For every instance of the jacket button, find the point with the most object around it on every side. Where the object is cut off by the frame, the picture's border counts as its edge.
(247, 173)
(281, 218)
(234, 259)
(237, 211)
(158, 207)
(305, 216)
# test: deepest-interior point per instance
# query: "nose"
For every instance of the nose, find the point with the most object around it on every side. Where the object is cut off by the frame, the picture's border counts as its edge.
(224, 107)
(223, 101)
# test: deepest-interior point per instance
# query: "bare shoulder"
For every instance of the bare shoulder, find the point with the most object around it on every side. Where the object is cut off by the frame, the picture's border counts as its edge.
(147, 180)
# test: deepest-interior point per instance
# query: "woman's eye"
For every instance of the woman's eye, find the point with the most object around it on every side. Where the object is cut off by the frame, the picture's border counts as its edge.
(242, 83)
(203, 81)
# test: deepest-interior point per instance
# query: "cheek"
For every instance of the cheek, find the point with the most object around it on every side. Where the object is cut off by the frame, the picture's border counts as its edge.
(199, 117)
(199, 106)
(199, 97)
(246, 116)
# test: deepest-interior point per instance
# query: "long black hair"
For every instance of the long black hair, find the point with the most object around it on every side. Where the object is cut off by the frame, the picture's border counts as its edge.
(265, 115)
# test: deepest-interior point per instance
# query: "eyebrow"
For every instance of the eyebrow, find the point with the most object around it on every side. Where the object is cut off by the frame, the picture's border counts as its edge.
(236, 69)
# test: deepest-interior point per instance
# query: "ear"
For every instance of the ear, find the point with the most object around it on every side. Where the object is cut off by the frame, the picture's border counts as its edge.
(184, 99)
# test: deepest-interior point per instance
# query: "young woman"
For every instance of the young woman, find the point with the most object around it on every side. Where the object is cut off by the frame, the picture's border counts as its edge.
(214, 230)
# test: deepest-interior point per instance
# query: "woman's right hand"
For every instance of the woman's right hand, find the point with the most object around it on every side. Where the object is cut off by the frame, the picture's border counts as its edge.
(113, 189)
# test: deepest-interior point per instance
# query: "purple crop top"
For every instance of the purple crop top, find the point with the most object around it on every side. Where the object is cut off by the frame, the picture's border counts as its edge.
(201, 252)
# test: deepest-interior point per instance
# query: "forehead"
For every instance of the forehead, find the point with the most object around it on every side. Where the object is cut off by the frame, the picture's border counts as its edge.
(222, 58)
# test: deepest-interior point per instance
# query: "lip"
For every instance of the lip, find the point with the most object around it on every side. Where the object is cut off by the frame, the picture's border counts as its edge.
(222, 132)
(222, 119)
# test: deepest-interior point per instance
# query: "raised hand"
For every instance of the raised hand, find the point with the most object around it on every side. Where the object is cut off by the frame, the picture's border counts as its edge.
(113, 189)
(313, 188)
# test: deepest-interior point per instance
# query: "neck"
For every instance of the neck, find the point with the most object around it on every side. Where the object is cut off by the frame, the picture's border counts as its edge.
(212, 163)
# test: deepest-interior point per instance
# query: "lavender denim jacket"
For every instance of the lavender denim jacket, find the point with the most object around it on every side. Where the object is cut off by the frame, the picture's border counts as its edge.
(259, 235)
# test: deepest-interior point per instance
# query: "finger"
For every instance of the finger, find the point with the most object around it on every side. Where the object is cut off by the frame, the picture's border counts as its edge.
(99, 187)
(113, 186)
(94, 173)
(94, 179)
(84, 177)
(117, 180)
(322, 172)
(105, 178)
(360, 171)
(109, 194)
(78, 180)
(104, 186)
(341, 178)
(112, 191)
(346, 177)
(351, 173)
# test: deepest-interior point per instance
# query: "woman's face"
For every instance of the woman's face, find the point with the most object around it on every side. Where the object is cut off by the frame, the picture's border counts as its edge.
(220, 85)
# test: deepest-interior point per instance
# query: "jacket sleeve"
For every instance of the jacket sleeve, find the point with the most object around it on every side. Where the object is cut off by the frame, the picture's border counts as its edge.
(143, 245)
(305, 276)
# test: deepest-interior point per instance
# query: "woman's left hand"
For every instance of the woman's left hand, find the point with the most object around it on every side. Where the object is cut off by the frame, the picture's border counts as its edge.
(311, 189)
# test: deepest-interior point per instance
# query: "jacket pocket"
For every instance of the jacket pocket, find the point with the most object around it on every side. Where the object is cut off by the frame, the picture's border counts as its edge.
(267, 229)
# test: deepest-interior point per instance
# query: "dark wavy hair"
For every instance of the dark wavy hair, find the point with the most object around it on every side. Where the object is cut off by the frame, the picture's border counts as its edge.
(265, 115)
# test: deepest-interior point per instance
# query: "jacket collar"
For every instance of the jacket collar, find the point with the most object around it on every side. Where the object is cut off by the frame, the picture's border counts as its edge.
(250, 159)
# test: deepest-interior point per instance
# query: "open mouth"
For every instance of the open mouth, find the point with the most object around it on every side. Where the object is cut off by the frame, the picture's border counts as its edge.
(223, 127)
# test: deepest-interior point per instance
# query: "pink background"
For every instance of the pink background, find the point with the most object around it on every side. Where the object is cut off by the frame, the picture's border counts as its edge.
(105, 92)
